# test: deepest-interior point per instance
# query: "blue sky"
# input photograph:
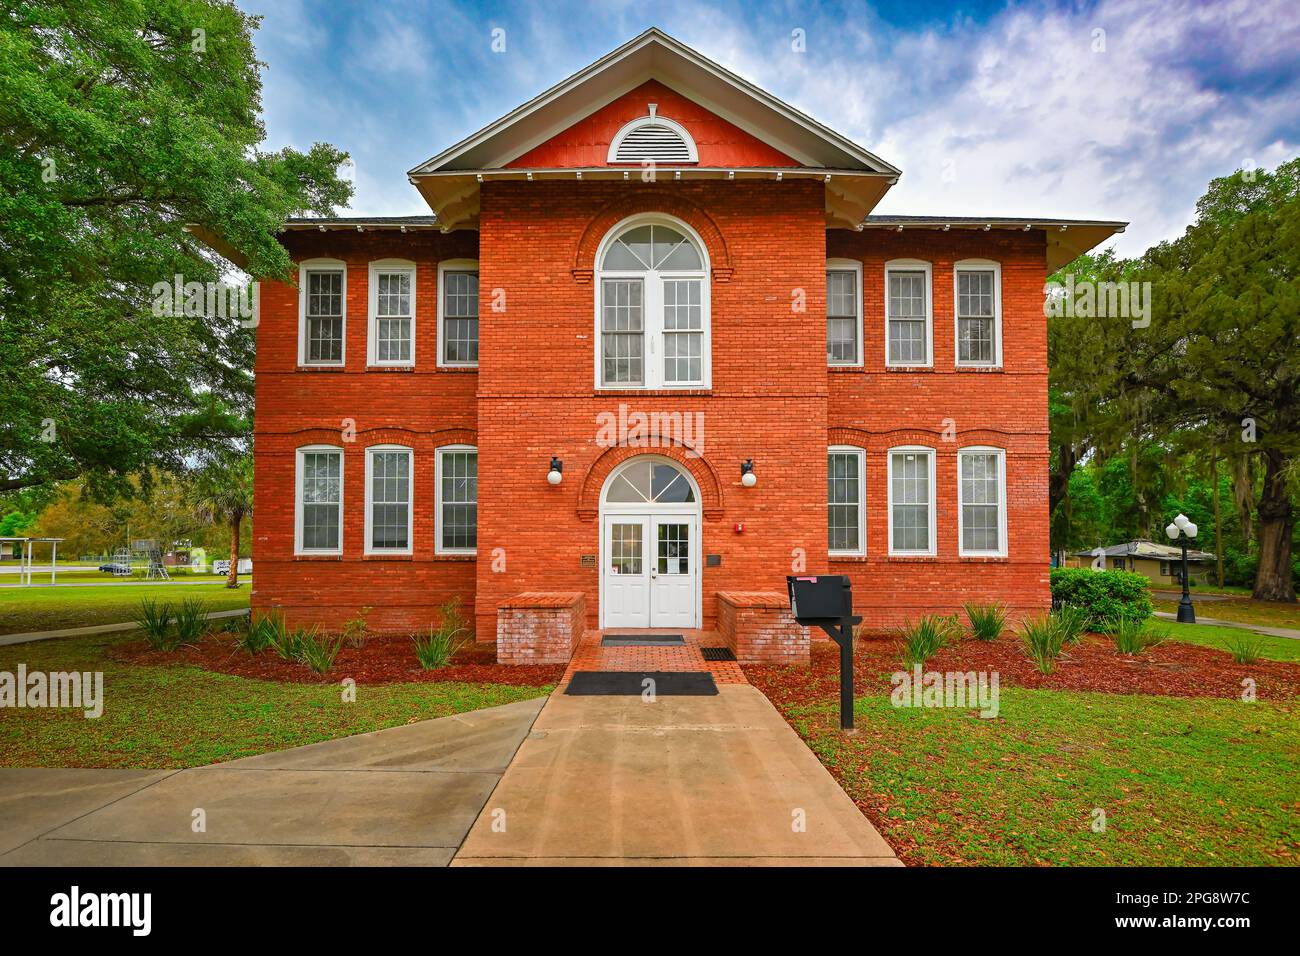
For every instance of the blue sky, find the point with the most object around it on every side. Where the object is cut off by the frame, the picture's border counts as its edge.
(1117, 109)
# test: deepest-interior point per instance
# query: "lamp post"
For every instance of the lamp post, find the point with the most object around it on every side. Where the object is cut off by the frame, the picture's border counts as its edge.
(1182, 530)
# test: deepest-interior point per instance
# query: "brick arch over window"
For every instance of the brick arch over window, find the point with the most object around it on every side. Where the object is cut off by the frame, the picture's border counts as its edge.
(612, 214)
(706, 477)
(879, 440)
(381, 435)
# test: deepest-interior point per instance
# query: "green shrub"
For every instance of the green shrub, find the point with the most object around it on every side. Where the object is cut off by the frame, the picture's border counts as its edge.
(435, 649)
(191, 620)
(355, 631)
(156, 621)
(258, 633)
(920, 641)
(987, 621)
(316, 650)
(1134, 637)
(1245, 647)
(287, 641)
(1072, 621)
(1042, 638)
(1106, 595)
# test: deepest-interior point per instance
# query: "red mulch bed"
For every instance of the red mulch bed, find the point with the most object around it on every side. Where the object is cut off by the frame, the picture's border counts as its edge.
(1172, 669)
(385, 659)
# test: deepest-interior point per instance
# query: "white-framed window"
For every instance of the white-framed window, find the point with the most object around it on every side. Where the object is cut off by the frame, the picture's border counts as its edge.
(977, 312)
(909, 323)
(652, 306)
(457, 500)
(389, 499)
(843, 312)
(318, 500)
(911, 500)
(846, 500)
(458, 313)
(322, 312)
(981, 501)
(391, 336)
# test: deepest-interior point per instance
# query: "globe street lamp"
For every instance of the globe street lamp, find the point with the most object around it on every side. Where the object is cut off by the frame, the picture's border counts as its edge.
(1182, 530)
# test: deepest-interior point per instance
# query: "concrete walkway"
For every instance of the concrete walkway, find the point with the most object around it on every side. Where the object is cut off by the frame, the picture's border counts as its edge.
(404, 796)
(29, 636)
(615, 781)
(1257, 628)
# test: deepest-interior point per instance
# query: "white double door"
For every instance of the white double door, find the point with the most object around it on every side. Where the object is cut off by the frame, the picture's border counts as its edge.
(650, 570)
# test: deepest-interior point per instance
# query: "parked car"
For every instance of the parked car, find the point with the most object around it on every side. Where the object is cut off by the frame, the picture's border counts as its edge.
(115, 568)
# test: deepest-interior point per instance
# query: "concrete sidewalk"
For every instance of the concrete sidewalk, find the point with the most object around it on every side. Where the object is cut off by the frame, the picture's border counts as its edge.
(1287, 632)
(28, 636)
(403, 796)
(683, 781)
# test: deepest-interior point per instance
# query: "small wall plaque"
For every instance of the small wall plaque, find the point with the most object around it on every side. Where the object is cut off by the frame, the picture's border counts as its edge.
(588, 560)
(713, 561)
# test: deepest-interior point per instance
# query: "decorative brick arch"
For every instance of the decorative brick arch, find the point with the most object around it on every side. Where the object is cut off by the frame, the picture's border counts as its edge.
(455, 436)
(646, 201)
(706, 477)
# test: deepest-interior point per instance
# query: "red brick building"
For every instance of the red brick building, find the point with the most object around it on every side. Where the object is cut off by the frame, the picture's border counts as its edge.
(650, 354)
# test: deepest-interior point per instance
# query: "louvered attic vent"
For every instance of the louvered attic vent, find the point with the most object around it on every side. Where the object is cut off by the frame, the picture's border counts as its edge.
(655, 139)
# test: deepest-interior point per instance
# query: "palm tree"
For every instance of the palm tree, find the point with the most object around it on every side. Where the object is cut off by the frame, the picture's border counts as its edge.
(223, 492)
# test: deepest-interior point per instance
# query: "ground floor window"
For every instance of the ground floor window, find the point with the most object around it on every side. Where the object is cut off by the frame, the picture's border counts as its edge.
(457, 504)
(319, 494)
(388, 499)
(845, 500)
(981, 509)
(911, 501)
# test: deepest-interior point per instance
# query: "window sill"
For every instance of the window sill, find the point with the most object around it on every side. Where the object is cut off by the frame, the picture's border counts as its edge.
(390, 368)
(847, 558)
(457, 368)
(979, 368)
(984, 558)
(455, 557)
(911, 558)
(654, 392)
(845, 368)
(388, 557)
(321, 368)
(903, 369)
(318, 557)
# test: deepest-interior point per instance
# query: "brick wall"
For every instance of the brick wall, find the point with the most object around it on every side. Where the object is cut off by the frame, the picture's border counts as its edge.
(758, 628)
(539, 628)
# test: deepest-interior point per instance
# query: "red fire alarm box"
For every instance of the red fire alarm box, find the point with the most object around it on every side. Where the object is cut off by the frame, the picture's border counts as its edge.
(740, 527)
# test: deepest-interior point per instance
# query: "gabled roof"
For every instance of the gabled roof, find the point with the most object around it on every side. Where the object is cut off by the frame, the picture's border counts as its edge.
(1149, 549)
(855, 178)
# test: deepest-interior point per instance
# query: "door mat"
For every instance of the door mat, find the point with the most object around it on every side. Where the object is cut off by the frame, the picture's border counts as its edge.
(641, 640)
(632, 684)
(717, 654)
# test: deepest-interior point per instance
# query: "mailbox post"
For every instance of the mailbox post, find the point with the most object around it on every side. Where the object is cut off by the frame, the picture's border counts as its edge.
(826, 601)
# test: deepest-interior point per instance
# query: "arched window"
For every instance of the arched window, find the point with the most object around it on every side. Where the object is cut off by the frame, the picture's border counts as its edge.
(653, 138)
(647, 480)
(652, 308)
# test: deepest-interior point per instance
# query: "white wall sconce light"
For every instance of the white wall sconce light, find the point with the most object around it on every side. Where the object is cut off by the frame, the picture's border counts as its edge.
(556, 474)
(747, 476)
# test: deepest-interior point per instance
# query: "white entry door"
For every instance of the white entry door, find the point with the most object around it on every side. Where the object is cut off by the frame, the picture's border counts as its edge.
(650, 571)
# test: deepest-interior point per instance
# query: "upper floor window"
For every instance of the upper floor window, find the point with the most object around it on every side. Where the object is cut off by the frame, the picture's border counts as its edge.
(977, 293)
(652, 307)
(845, 496)
(388, 499)
(982, 514)
(908, 332)
(457, 499)
(322, 311)
(318, 494)
(843, 312)
(392, 313)
(911, 501)
(458, 312)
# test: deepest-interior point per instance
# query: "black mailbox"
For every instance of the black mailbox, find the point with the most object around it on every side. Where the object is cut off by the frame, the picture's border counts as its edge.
(820, 597)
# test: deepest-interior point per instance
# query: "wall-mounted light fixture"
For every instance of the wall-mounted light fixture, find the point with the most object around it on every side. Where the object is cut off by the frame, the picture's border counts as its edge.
(747, 476)
(556, 474)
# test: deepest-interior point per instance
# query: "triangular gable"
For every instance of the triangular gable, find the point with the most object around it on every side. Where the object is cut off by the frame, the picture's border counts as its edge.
(586, 143)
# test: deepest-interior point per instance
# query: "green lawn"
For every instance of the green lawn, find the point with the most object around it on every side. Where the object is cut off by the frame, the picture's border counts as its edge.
(1181, 781)
(164, 717)
(1223, 638)
(47, 609)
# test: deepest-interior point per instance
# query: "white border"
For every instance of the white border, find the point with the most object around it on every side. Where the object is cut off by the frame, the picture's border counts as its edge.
(410, 500)
(861, 454)
(386, 267)
(320, 265)
(913, 265)
(437, 499)
(854, 266)
(653, 326)
(889, 486)
(692, 154)
(455, 265)
(298, 549)
(978, 265)
(1001, 552)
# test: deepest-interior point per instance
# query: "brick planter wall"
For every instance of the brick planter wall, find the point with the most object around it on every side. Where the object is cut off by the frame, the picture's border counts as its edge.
(540, 627)
(758, 628)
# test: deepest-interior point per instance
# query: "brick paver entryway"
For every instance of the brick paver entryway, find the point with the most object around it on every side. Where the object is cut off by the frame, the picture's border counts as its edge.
(591, 655)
